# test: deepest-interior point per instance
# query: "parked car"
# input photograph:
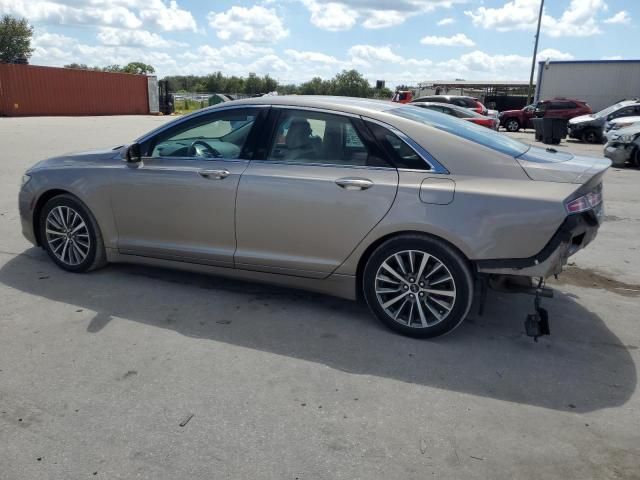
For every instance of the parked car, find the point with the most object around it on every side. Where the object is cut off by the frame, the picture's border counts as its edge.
(514, 120)
(590, 128)
(622, 122)
(471, 103)
(402, 96)
(624, 146)
(460, 112)
(565, 108)
(402, 206)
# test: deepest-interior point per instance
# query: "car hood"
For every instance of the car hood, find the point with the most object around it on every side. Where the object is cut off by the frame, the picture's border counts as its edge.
(550, 165)
(584, 119)
(93, 157)
(634, 119)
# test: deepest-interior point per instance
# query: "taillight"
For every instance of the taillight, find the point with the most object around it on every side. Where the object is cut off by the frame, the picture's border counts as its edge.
(585, 202)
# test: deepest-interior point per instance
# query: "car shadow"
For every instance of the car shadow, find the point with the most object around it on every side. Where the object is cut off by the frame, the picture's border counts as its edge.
(582, 367)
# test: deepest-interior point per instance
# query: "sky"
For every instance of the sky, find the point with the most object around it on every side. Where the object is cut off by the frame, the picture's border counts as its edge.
(399, 41)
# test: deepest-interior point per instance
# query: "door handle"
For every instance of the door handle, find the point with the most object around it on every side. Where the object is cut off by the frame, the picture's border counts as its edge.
(354, 183)
(214, 174)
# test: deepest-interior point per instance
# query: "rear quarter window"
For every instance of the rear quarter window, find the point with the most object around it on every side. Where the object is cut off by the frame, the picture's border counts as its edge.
(467, 130)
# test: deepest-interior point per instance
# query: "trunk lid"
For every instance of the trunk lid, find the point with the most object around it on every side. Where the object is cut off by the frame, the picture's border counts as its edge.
(550, 165)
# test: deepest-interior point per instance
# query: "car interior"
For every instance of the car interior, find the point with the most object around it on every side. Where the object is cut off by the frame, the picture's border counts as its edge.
(222, 138)
(323, 139)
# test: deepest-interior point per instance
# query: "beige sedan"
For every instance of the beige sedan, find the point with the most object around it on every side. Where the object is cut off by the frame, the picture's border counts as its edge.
(411, 210)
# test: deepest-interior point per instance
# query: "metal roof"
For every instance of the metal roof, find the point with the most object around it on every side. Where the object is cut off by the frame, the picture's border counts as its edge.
(477, 83)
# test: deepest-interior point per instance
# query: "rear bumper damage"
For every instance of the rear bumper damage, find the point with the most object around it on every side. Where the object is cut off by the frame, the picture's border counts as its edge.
(575, 233)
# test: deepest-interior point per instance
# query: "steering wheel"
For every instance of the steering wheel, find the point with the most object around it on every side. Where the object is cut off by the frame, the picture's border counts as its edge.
(212, 152)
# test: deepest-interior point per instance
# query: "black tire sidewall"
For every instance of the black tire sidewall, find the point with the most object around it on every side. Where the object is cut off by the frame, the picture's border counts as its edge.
(506, 124)
(456, 264)
(69, 201)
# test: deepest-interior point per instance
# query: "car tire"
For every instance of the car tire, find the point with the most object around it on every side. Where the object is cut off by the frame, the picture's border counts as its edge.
(591, 136)
(635, 157)
(428, 305)
(70, 235)
(512, 125)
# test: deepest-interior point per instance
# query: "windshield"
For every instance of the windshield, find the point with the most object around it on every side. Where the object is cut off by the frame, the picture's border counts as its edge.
(608, 110)
(467, 130)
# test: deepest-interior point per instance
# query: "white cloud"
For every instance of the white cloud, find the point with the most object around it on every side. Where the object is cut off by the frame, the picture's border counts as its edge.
(446, 21)
(313, 57)
(457, 40)
(167, 18)
(622, 17)
(578, 20)
(138, 38)
(553, 54)
(129, 14)
(331, 16)
(613, 57)
(384, 19)
(365, 55)
(255, 25)
(336, 15)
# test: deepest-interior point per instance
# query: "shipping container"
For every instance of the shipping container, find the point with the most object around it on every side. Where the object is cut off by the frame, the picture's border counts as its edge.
(600, 83)
(34, 90)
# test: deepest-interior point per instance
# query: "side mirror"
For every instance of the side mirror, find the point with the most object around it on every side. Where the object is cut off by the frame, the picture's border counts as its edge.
(133, 153)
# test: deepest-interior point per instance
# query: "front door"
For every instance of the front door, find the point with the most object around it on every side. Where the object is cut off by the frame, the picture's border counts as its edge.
(319, 192)
(179, 204)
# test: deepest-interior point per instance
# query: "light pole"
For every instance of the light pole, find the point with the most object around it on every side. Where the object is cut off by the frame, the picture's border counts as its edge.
(535, 53)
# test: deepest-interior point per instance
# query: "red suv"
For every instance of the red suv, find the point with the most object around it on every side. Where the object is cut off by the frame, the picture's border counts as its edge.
(565, 108)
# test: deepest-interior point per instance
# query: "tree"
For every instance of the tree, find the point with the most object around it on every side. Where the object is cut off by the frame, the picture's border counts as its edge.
(351, 83)
(138, 67)
(15, 39)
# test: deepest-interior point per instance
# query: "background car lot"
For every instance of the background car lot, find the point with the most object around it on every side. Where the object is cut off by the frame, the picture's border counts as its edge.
(97, 371)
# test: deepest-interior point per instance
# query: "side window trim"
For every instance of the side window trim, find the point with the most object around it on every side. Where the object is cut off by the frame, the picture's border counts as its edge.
(433, 165)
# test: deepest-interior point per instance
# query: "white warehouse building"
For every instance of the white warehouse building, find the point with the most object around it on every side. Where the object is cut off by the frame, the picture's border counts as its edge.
(600, 83)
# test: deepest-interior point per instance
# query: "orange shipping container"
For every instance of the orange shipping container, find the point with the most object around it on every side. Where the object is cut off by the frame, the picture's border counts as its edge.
(34, 90)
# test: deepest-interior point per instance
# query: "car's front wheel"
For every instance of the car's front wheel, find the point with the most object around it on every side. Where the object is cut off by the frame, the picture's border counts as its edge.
(418, 285)
(512, 125)
(591, 136)
(70, 234)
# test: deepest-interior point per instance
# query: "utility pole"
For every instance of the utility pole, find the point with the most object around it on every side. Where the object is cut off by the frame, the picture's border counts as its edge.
(535, 53)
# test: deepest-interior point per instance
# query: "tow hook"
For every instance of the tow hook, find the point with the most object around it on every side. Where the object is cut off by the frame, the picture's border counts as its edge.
(537, 324)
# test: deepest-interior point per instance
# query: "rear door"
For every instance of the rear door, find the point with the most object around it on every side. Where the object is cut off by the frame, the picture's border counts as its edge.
(322, 186)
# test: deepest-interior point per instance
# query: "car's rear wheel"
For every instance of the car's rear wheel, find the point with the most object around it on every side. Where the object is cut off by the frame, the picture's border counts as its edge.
(636, 157)
(418, 285)
(591, 136)
(512, 125)
(70, 234)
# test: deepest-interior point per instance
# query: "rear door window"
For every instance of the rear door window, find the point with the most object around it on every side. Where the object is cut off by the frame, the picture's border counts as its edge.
(310, 137)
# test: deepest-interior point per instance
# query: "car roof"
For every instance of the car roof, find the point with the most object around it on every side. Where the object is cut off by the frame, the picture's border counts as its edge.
(359, 106)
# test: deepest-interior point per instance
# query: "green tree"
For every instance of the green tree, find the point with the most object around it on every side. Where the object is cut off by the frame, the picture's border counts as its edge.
(351, 83)
(15, 39)
(138, 67)
(253, 84)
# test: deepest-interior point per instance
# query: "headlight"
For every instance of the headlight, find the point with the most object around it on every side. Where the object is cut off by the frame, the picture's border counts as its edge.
(627, 138)
(25, 180)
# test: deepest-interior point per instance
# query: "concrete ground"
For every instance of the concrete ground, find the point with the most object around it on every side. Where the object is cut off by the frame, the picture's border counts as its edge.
(99, 372)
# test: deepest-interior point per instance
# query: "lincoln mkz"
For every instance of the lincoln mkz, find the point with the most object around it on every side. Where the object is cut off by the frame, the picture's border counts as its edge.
(414, 211)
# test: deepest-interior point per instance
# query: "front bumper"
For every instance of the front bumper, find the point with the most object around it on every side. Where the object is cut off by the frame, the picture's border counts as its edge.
(618, 153)
(575, 233)
(26, 205)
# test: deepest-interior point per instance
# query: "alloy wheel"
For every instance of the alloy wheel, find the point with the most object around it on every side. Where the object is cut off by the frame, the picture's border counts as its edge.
(415, 289)
(513, 125)
(67, 235)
